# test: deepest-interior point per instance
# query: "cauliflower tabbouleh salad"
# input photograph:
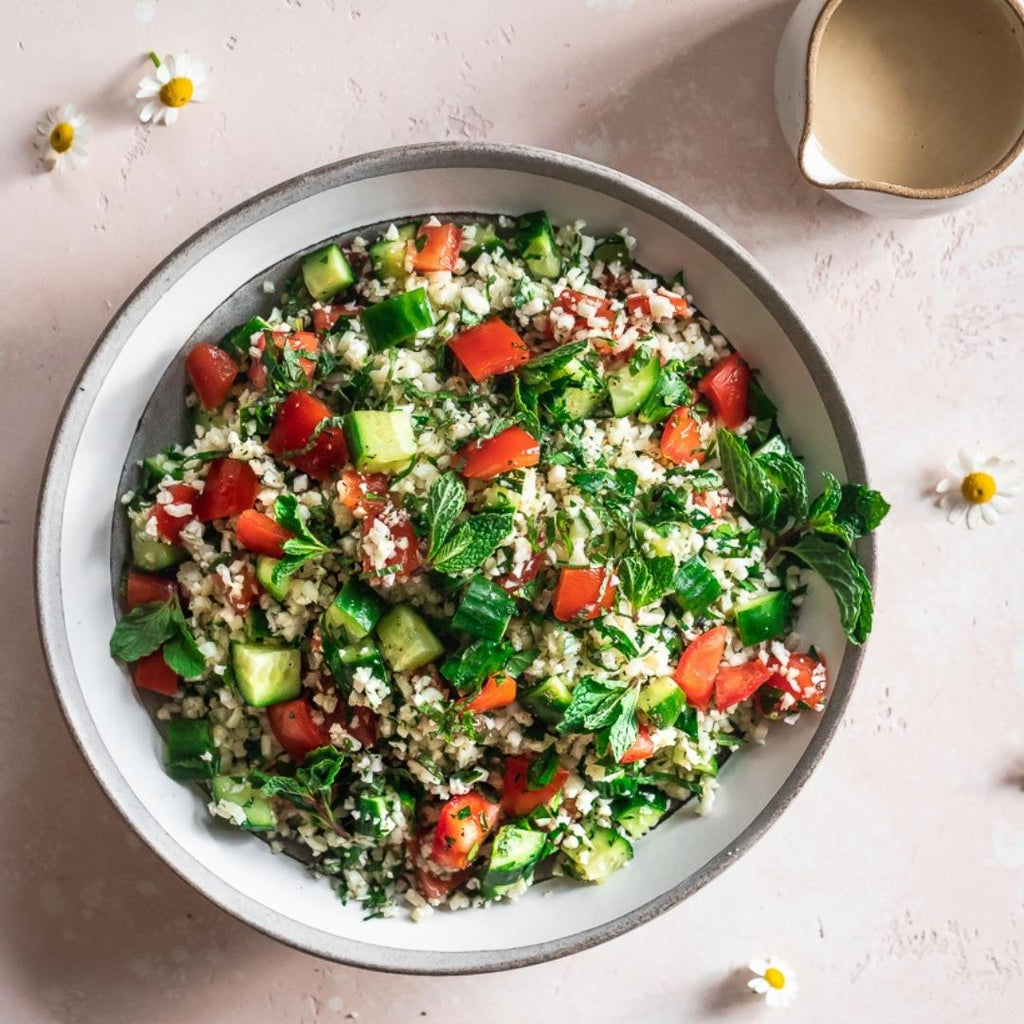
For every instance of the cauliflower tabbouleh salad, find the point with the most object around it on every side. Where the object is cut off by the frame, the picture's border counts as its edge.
(484, 555)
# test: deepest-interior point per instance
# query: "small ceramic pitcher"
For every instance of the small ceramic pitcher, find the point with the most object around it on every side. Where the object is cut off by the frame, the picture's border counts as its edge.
(845, 80)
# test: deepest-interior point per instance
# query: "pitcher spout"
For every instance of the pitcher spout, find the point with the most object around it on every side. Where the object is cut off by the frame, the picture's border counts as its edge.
(815, 165)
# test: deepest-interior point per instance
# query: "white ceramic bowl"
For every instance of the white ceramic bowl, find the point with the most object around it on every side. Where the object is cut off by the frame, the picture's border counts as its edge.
(79, 550)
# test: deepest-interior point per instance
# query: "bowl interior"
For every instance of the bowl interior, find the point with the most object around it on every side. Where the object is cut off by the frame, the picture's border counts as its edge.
(128, 403)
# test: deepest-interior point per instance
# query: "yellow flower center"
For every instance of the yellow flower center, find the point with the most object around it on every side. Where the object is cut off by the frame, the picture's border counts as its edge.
(978, 488)
(775, 977)
(177, 92)
(62, 136)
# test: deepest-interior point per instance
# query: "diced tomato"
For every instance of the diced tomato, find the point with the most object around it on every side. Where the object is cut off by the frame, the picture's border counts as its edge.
(153, 673)
(516, 798)
(698, 666)
(359, 722)
(497, 692)
(735, 683)
(296, 420)
(231, 487)
(298, 727)
(518, 578)
(325, 317)
(169, 527)
(643, 747)
(464, 824)
(146, 589)
(489, 348)
(260, 533)
(359, 492)
(680, 440)
(572, 302)
(300, 341)
(726, 386)
(640, 305)
(582, 593)
(512, 449)
(212, 372)
(406, 558)
(435, 248)
(803, 678)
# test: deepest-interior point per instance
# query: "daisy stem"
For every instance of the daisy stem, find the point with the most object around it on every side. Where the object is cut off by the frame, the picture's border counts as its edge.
(155, 59)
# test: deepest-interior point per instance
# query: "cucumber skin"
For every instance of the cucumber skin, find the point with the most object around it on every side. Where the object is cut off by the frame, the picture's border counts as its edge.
(610, 852)
(153, 555)
(362, 425)
(763, 618)
(188, 739)
(265, 576)
(629, 391)
(259, 812)
(547, 700)
(638, 815)
(326, 272)
(514, 855)
(355, 611)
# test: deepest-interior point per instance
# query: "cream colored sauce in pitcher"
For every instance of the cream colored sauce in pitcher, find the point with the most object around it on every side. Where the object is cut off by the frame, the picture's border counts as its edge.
(903, 107)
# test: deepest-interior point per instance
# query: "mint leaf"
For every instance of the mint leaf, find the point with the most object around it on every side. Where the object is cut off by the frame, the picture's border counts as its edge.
(299, 549)
(320, 769)
(847, 511)
(670, 391)
(473, 664)
(473, 542)
(594, 703)
(527, 407)
(786, 472)
(445, 502)
(754, 490)
(624, 728)
(828, 501)
(142, 630)
(542, 769)
(646, 580)
(181, 652)
(838, 567)
(617, 639)
(520, 662)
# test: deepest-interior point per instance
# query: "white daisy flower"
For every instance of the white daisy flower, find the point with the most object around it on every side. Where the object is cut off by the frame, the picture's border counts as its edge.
(62, 138)
(977, 490)
(773, 980)
(178, 81)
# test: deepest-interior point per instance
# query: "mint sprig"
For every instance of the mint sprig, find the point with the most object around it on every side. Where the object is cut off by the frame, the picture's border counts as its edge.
(301, 548)
(604, 707)
(147, 627)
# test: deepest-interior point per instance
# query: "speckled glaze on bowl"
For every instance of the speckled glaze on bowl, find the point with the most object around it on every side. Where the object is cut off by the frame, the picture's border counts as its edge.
(134, 375)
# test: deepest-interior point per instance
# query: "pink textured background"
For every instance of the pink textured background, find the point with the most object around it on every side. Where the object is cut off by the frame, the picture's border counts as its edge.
(895, 884)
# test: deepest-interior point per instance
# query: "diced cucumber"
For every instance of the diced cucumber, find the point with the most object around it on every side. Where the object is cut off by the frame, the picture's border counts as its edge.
(397, 319)
(378, 815)
(265, 575)
(612, 249)
(344, 662)
(388, 254)
(485, 240)
(604, 854)
(485, 611)
(661, 700)
(763, 618)
(380, 442)
(548, 700)
(355, 610)
(160, 466)
(406, 640)
(536, 242)
(256, 625)
(638, 814)
(266, 673)
(629, 388)
(573, 404)
(696, 586)
(258, 810)
(152, 554)
(238, 340)
(326, 272)
(514, 855)
(190, 750)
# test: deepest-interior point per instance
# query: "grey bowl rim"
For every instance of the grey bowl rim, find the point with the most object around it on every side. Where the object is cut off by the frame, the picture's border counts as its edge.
(63, 449)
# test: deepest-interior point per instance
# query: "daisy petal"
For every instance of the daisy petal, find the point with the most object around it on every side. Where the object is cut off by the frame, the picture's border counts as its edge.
(967, 462)
(973, 516)
(943, 485)
(171, 115)
(988, 513)
(1000, 504)
(163, 74)
(759, 966)
(758, 985)
(957, 513)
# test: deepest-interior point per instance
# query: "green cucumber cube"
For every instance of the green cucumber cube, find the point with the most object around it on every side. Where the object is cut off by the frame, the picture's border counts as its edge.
(485, 611)
(548, 700)
(190, 750)
(265, 576)
(637, 815)
(257, 809)
(266, 673)
(355, 610)
(152, 554)
(629, 388)
(406, 641)
(537, 246)
(514, 855)
(596, 860)
(326, 272)
(661, 701)
(380, 442)
(388, 255)
(397, 319)
(763, 618)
